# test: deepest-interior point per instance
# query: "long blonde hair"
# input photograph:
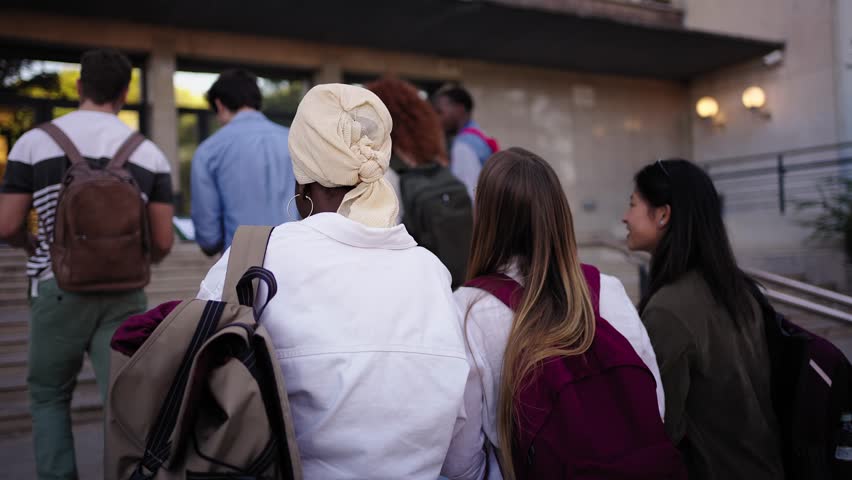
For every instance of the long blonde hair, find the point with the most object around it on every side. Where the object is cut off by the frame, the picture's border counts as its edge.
(522, 216)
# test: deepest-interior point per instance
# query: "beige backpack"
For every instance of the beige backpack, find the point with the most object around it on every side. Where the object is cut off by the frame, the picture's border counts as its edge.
(101, 237)
(203, 396)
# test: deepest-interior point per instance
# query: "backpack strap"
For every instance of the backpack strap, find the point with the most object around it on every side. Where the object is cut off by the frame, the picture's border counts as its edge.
(491, 142)
(122, 155)
(593, 281)
(158, 445)
(63, 141)
(503, 287)
(510, 292)
(247, 250)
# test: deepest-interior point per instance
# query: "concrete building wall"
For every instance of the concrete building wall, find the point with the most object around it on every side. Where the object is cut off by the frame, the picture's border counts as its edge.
(800, 90)
(806, 110)
(596, 131)
(843, 71)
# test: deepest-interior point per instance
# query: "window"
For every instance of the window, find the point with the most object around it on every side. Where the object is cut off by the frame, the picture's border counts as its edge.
(35, 91)
(282, 92)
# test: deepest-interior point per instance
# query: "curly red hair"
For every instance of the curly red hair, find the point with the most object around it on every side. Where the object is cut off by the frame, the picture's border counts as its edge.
(417, 134)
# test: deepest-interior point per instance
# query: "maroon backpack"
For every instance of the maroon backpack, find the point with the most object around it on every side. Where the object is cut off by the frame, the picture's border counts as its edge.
(590, 416)
(811, 387)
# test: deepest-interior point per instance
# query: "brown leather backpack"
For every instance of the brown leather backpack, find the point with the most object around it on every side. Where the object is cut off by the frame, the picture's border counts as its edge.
(101, 238)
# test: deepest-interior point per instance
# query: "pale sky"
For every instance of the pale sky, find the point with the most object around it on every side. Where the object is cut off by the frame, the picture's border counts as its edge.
(197, 83)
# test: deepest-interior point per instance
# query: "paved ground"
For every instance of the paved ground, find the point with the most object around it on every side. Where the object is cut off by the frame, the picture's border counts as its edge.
(18, 462)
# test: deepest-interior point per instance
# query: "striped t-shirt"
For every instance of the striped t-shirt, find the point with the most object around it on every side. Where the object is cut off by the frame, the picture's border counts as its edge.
(36, 165)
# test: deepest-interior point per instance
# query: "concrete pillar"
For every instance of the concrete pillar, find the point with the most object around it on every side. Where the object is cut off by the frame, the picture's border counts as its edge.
(843, 73)
(329, 73)
(162, 110)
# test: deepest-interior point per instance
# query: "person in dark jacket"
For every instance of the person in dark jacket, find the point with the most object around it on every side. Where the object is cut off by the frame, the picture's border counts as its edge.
(705, 326)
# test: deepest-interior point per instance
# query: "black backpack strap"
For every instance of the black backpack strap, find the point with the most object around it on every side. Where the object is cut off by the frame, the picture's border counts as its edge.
(122, 155)
(158, 445)
(283, 440)
(63, 141)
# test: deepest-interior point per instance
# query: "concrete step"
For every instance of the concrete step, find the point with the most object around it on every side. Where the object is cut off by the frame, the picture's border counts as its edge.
(181, 281)
(86, 407)
(13, 287)
(13, 370)
(14, 321)
(14, 394)
(13, 389)
(13, 343)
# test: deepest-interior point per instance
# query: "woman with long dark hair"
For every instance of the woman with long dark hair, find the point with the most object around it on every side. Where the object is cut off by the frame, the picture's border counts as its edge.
(705, 325)
(524, 233)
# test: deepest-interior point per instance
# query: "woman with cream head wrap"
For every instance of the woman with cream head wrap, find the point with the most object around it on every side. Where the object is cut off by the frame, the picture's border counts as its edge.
(340, 145)
(365, 326)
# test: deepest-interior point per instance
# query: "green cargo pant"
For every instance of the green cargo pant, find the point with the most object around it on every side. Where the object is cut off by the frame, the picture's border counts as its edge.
(65, 326)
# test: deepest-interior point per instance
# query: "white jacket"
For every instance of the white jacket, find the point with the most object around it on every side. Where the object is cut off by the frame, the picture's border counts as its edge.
(368, 336)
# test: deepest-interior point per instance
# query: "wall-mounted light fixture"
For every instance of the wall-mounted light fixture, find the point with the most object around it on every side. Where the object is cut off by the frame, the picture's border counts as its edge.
(754, 99)
(707, 108)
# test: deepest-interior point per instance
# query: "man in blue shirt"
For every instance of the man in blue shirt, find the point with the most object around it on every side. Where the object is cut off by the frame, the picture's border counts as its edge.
(242, 174)
(470, 148)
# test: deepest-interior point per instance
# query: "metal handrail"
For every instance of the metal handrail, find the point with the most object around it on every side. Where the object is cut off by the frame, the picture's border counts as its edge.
(807, 305)
(642, 259)
(781, 169)
(768, 155)
(761, 171)
(806, 288)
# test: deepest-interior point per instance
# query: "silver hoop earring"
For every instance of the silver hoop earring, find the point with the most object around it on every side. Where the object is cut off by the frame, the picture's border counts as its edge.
(291, 201)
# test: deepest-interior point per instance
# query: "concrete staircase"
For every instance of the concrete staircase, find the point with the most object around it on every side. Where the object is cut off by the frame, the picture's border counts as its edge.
(178, 276)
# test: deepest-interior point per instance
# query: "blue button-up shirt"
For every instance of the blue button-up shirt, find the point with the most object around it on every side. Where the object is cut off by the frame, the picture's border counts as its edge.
(241, 175)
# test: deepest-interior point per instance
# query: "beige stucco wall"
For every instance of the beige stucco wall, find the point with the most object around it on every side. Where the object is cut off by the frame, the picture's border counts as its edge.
(804, 100)
(596, 131)
(800, 91)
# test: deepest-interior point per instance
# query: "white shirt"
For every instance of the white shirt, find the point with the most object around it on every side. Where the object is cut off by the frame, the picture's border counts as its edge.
(368, 336)
(488, 324)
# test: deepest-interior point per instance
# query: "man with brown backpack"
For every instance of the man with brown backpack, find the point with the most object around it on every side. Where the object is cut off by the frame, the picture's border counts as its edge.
(103, 197)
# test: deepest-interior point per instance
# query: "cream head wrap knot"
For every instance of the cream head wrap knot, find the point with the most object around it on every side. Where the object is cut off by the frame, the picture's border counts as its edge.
(341, 137)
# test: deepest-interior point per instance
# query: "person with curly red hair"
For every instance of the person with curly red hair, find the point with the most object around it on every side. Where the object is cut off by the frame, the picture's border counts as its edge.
(417, 135)
(435, 206)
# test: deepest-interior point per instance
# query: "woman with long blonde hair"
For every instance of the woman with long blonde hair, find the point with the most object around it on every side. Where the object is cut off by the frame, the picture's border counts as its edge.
(529, 307)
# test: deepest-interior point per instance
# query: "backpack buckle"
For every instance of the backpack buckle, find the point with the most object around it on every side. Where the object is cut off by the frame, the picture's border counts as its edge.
(140, 473)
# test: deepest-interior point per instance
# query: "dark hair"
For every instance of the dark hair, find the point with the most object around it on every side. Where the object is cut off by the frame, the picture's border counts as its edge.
(522, 215)
(458, 95)
(696, 238)
(235, 88)
(104, 75)
(417, 129)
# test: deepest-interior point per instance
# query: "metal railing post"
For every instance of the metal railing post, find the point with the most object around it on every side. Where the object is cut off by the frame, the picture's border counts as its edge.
(781, 195)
